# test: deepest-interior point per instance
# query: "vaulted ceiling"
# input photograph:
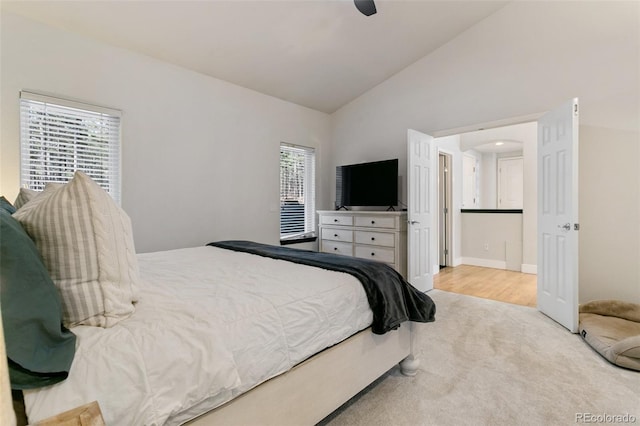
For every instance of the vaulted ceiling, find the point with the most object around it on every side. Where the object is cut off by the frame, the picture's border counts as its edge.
(317, 53)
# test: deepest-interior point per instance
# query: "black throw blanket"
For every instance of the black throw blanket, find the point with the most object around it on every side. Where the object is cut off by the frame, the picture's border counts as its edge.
(392, 299)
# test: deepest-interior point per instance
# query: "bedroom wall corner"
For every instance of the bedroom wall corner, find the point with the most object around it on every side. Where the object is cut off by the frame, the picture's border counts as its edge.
(200, 156)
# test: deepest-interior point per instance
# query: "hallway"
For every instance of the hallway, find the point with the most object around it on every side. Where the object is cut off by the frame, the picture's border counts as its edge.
(488, 283)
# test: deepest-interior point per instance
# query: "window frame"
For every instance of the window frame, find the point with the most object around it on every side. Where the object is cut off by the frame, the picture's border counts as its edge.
(309, 195)
(105, 136)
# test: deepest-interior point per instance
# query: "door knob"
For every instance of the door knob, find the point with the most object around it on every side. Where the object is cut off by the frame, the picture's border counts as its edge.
(566, 226)
(412, 222)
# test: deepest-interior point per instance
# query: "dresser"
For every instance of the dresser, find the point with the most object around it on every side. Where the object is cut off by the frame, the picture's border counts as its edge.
(374, 235)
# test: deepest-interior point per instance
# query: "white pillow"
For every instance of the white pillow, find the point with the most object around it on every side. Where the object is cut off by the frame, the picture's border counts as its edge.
(86, 242)
(24, 196)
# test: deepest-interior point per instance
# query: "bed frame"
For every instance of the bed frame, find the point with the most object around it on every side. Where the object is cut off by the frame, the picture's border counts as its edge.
(316, 387)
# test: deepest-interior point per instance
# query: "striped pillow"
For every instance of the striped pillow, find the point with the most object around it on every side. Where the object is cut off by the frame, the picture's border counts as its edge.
(86, 242)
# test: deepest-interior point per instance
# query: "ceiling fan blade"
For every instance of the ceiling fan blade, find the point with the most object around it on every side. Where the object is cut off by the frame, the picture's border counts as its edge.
(366, 7)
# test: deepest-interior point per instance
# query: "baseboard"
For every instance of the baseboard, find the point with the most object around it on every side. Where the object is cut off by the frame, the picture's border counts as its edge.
(529, 269)
(436, 270)
(487, 263)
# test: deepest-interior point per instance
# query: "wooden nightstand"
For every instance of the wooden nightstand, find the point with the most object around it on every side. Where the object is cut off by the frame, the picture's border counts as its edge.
(86, 415)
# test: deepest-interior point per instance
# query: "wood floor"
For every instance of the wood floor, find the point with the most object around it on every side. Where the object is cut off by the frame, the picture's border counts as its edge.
(488, 283)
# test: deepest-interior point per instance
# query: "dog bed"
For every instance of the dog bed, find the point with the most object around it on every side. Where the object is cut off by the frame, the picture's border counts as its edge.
(612, 328)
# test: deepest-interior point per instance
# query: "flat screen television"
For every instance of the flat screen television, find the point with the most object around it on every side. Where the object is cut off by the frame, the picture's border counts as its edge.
(367, 184)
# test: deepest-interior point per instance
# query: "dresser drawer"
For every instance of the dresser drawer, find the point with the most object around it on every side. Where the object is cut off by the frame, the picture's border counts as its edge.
(337, 247)
(376, 222)
(336, 220)
(336, 234)
(375, 238)
(375, 253)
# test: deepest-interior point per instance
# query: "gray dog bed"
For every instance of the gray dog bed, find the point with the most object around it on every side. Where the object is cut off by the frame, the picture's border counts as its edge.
(612, 328)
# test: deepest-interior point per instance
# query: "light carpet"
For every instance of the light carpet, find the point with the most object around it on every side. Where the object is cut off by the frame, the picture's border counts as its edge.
(491, 363)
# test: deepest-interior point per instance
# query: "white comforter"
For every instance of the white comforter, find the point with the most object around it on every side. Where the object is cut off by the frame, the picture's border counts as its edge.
(210, 324)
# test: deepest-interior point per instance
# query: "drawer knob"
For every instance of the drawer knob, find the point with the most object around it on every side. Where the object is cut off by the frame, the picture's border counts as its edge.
(335, 220)
(373, 254)
(373, 238)
(373, 222)
(335, 248)
(335, 235)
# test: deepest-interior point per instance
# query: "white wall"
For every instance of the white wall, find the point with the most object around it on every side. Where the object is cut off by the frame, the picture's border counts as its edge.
(492, 240)
(199, 156)
(609, 196)
(526, 58)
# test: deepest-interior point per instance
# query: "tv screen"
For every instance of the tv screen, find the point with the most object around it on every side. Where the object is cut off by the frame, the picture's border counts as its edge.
(367, 184)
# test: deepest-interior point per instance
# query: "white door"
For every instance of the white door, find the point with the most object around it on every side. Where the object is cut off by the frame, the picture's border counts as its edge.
(558, 215)
(421, 209)
(510, 182)
(469, 182)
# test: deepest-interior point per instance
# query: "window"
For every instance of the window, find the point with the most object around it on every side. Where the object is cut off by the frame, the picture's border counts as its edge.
(297, 193)
(58, 137)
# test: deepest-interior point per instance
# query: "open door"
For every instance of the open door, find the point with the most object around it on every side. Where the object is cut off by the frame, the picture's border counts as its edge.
(444, 210)
(421, 210)
(558, 215)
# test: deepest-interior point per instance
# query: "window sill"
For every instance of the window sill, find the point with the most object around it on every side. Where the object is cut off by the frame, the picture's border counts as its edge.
(298, 240)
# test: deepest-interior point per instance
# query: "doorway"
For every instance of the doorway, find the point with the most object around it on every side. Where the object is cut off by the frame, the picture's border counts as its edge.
(556, 210)
(488, 283)
(445, 191)
(498, 234)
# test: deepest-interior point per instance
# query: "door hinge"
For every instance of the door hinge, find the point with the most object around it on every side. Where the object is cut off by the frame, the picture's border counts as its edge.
(576, 226)
(575, 109)
(446, 210)
(446, 252)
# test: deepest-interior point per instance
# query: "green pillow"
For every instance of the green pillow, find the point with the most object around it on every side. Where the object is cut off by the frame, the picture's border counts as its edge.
(39, 348)
(6, 205)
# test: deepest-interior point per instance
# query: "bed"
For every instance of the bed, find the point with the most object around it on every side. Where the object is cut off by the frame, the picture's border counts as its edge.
(223, 335)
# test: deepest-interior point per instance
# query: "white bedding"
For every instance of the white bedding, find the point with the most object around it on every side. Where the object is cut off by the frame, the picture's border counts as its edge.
(210, 324)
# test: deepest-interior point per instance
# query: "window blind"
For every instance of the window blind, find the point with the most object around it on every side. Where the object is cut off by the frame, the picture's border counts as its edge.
(58, 137)
(297, 192)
